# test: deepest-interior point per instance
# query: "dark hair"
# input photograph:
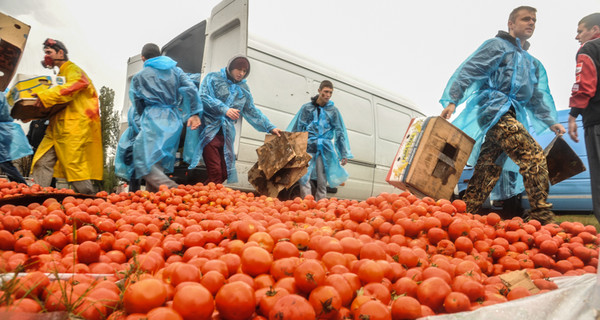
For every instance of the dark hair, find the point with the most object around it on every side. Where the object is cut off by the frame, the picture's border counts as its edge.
(326, 84)
(56, 45)
(513, 14)
(150, 50)
(591, 20)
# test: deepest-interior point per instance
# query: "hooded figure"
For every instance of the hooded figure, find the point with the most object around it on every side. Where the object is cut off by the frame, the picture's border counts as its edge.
(226, 97)
(327, 141)
(160, 93)
(13, 143)
(72, 146)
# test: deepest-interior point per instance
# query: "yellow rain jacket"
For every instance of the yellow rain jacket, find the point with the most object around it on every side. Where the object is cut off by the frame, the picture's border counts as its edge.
(75, 132)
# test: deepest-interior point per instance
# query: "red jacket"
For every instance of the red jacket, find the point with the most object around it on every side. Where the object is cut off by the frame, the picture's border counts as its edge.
(585, 96)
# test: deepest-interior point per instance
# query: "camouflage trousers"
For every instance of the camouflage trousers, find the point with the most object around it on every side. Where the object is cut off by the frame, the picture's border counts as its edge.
(511, 137)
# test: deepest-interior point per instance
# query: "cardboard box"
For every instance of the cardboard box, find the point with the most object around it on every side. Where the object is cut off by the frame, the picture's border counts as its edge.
(519, 278)
(431, 158)
(562, 161)
(21, 99)
(13, 37)
(281, 162)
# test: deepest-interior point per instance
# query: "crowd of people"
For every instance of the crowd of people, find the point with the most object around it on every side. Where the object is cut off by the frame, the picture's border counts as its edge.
(504, 88)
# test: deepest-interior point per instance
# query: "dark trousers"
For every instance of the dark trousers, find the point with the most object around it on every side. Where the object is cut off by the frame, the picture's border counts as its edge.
(214, 159)
(592, 145)
(511, 137)
(11, 172)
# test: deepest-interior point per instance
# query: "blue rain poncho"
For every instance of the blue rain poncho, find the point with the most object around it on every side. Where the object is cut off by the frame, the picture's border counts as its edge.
(218, 94)
(500, 74)
(322, 127)
(127, 139)
(13, 142)
(165, 97)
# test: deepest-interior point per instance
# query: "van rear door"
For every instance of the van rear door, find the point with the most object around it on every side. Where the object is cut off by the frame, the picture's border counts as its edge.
(226, 36)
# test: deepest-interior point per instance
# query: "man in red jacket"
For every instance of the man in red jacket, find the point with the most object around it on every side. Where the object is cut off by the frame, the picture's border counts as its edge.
(585, 99)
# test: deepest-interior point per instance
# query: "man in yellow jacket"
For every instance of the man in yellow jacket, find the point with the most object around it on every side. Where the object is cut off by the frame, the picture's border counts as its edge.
(72, 146)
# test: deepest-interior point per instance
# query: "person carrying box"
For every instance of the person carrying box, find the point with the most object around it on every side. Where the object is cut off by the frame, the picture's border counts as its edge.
(72, 143)
(503, 85)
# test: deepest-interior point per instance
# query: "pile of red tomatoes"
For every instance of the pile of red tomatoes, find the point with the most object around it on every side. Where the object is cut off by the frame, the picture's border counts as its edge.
(209, 252)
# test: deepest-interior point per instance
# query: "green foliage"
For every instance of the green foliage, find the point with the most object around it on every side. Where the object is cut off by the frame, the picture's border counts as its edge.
(110, 136)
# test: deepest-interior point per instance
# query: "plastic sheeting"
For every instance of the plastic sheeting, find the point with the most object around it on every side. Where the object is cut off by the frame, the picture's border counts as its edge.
(13, 142)
(577, 298)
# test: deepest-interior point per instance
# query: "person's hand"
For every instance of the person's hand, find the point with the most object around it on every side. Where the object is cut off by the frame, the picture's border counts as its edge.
(573, 129)
(276, 132)
(194, 122)
(448, 111)
(38, 102)
(344, 161)
(558, 128)
(233, 114)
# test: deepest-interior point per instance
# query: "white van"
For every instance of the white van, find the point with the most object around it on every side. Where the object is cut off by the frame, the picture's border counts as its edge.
(280, 84)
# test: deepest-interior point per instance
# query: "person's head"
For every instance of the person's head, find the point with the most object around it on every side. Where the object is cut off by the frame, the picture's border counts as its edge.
(521, 22)
(149, 51)
(325, 92)
(55, 53)
(588, 28)
(238, 68)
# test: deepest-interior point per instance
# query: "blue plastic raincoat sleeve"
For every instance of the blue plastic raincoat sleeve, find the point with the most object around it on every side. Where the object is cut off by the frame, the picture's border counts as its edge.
(472, 73)
(192, 105)
(13, 142)
(253, 115)
(541, 106)
(296, 125)
(342, 144)
(212, 105)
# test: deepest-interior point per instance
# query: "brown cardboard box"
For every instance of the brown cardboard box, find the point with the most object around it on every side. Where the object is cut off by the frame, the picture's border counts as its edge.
(519, 278)
(13, 36)
(431, 158)
(562, 161)
(25, 110)
(281, 162)
(21, 97)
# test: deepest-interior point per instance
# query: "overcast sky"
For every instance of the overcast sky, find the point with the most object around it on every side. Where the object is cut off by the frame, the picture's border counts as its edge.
(410, 48)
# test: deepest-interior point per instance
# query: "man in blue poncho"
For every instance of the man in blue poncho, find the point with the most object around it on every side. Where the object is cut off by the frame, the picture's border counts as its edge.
(13, 143)
(323, 121)
(504, 86)
(157, 93)
(226, 97)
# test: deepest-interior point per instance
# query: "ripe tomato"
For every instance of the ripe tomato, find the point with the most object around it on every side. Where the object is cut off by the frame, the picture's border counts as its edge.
(405, 307)
(144, 295)
(432, 292)
(193, 302)
(292, 307)
(235, 301)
